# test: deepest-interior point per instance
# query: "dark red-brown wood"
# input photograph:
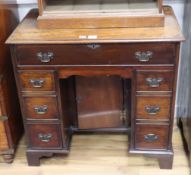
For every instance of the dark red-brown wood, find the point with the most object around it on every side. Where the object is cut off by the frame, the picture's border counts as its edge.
(106, 110)
(95, 54)
(28, 78)
(41, 107)
(44, 136)
(165, 84)
(149, 102)
(158, 143)
(11, 127)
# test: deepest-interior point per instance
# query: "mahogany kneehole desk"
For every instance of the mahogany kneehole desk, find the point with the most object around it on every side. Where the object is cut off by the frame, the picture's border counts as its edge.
(125, 80)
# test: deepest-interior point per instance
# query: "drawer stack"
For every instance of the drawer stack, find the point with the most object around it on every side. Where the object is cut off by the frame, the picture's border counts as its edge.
(41, 110)
(152, 109)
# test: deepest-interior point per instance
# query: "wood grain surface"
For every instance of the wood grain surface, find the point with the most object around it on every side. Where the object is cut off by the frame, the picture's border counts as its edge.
(96, 54)
(99, 14)
(27, 76)
(164, 85)
(160, 131)
(35, 130)
(27, 32)
(153, 101)
(49, 102)
(101, 104)
(3, 137)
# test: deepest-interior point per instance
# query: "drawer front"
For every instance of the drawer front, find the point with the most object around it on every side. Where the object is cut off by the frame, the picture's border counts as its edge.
(151, 136)
(44, 136)
(43, 107)
(96, 54)
(154, 80)
(153, 107)
(36, 81)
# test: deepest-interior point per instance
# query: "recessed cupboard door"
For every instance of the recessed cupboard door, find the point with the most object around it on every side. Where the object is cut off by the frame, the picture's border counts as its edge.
(99, 102)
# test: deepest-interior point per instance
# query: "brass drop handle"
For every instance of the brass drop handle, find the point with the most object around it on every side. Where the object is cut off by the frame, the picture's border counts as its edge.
(154, 82)
(152, 110)
(41, 110)
(45, 57)
(45, 137)
(37, 83)
(143, 56)
(151, 137)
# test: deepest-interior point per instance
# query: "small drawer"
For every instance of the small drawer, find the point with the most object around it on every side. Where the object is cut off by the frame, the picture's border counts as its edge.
(36, 81)
(96, 54)
(153, 107)
(154, 80)
(148, 137)
(44, 136)
(41, 107)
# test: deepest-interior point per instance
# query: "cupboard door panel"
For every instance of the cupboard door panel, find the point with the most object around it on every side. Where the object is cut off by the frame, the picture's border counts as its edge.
(99, 102)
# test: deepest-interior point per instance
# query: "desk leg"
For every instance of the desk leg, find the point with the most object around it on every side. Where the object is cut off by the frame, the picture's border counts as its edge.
(165, 161)
(33, 158)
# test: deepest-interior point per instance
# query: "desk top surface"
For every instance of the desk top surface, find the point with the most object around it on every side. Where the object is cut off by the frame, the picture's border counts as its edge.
(28, 33)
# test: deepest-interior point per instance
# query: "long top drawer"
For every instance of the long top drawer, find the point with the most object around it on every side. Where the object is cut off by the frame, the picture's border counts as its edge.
(96, 54)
